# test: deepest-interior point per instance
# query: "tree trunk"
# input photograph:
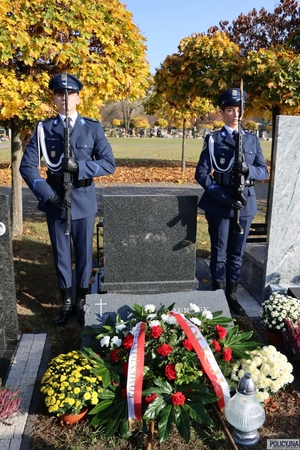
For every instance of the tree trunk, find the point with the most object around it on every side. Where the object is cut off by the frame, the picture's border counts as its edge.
(126, 114)
(16, 190)
(183, 146)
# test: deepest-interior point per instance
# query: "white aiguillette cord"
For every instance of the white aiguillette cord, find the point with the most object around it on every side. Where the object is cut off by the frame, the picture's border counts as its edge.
(42, 147)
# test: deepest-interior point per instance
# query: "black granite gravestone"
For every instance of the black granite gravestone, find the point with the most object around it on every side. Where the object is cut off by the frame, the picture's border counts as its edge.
(9, 329)
(149, 243)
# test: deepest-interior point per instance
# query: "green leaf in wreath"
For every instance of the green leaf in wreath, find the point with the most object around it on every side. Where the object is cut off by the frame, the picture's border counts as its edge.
(154, 408)
(165, 423)
(198, 413)
(101, 406)
(183, 423)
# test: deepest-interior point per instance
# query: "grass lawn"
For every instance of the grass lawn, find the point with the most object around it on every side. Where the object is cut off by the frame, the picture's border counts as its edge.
(149, 148)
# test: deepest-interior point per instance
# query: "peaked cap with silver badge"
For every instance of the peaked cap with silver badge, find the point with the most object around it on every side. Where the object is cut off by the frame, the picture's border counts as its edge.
(64, 81)
(231, 97)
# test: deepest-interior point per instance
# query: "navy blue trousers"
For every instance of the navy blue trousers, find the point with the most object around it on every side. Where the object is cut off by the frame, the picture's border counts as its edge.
(227, 247)
(82, 232)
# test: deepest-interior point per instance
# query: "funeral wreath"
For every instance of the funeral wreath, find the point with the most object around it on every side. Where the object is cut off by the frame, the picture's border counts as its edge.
(165, 367)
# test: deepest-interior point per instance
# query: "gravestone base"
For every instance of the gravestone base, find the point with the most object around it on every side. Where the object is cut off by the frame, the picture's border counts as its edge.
(101, 306)
(294, 292)
(253, 270)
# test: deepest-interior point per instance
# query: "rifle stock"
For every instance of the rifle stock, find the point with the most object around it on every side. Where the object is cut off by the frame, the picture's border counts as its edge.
(239, 178)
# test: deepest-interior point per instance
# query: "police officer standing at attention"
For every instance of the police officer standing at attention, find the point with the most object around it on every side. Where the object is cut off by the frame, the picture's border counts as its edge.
(91, 156)
(215, 173)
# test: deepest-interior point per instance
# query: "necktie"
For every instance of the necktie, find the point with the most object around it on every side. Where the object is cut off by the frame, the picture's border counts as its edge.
(234, 133)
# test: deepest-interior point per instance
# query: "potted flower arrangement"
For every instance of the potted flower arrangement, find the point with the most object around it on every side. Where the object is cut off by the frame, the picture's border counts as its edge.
(174, 382)
(10, 400)
(276, 309)
(270, 371)
(69, 385)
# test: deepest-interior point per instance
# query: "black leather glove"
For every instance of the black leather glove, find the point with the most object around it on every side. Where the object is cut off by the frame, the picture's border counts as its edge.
(69, 165)
(233, 204)
(56, 201)
(240, 167)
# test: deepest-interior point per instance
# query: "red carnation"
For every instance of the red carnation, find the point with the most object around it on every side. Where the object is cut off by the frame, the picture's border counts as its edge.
(114, 356)
(164, 349)
(125, 368)
(227, 354)
(178, 398)
(187, 344)
(216, 345)
(221, 331)
(128, 341)
(170, 372)
(150, 398)
(124, 393)
(156, 331)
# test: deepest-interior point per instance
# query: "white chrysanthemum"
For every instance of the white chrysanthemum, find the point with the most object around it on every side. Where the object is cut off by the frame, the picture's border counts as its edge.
(105, 341)
(151, 316)
(150, 308)
(116, 341)
(170, 320)
(207, 314)
(154, 323)
(194, 307)
(196, 321)
(120, 326)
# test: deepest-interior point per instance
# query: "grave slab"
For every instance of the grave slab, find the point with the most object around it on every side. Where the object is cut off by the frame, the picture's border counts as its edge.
(149, 243)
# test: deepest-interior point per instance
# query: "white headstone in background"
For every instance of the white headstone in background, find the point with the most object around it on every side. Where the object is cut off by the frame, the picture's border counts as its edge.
(282, 264)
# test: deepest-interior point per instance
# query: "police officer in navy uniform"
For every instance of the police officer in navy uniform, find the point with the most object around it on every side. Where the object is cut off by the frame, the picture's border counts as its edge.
(214, 173)
(91, 156)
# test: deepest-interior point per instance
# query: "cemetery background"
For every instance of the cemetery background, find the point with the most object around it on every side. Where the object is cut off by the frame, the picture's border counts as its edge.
(38, 299)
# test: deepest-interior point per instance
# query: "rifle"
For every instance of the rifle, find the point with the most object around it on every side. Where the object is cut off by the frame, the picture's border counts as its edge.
(68, 177)
(239, 178)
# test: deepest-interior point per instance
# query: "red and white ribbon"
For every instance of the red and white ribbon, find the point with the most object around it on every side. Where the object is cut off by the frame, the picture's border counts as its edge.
(135, 377)
(206, 357)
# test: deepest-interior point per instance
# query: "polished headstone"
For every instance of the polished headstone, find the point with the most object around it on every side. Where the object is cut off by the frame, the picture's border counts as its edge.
(149, 243)
(101, 306)
(8, 303)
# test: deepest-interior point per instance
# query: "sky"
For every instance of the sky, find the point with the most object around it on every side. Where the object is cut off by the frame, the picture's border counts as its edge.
(165, 22)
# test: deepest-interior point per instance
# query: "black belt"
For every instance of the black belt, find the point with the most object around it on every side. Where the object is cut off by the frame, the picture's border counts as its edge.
(227, 179)
(58, 179)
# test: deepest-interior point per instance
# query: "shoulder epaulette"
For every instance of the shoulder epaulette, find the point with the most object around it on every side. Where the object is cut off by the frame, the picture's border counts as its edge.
(92, 120)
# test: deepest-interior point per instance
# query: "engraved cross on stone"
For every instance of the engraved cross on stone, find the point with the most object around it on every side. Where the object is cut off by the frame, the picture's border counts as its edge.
(100, 306)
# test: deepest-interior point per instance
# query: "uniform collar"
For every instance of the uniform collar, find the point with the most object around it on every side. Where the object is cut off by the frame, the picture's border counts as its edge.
(73, 118)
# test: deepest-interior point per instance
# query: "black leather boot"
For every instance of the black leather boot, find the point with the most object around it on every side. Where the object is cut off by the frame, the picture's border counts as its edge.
(234, 306)
(79, 304)
(217, 285)
(67, 309)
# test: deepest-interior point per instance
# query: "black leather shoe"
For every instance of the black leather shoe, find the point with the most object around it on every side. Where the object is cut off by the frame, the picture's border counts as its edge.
(79, 304)
(234, 305)
(67, 309)
(217, 285)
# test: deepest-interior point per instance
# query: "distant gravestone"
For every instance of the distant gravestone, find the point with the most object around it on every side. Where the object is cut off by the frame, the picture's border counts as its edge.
(149, 243)
(9, 329)
(101, 306)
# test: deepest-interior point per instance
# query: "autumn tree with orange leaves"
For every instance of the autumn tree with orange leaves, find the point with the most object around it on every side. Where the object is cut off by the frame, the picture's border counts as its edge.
(96, 41)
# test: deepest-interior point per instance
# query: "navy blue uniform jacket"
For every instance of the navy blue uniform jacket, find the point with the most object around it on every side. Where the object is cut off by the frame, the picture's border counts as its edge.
(214, 195)
(92, 152)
